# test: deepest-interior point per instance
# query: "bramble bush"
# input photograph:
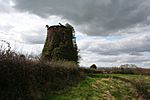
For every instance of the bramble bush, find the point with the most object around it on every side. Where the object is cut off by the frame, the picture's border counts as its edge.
(22, 78)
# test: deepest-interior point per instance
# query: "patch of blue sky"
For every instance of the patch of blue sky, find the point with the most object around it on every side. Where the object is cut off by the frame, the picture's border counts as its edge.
(80, 36)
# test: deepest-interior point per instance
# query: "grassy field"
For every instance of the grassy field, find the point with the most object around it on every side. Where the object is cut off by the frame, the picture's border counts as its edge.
(107, 87)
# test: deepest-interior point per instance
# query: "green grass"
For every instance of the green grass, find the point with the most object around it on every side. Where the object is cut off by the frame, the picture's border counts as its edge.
(103, 87)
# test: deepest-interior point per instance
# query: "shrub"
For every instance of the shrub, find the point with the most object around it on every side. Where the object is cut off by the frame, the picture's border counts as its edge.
(26, 79)
(93, 66)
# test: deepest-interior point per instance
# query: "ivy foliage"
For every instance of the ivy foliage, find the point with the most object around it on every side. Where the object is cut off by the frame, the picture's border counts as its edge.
(62, 46)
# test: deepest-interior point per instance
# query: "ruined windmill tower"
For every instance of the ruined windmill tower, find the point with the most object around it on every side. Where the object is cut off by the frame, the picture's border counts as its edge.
(60, 43)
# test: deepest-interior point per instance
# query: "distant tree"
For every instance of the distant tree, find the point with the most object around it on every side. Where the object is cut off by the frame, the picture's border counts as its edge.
(128, 66)
(93, 66)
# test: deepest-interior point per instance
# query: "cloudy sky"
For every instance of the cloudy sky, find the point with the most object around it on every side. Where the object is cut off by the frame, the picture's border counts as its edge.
(109, 32)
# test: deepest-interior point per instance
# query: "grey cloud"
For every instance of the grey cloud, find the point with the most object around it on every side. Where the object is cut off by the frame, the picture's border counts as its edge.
(132, 45)
(135, 53)
(135, 59)
(94, 17)
(116, 60)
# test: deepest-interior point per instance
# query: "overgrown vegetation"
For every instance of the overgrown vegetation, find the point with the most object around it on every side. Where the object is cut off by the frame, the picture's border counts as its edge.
(61, 44)
(22, 78)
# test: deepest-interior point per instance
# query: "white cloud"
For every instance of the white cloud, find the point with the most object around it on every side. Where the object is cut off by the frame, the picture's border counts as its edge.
(122, 28)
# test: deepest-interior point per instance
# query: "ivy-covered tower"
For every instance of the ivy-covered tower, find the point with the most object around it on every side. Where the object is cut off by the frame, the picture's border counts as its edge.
(60, 43)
